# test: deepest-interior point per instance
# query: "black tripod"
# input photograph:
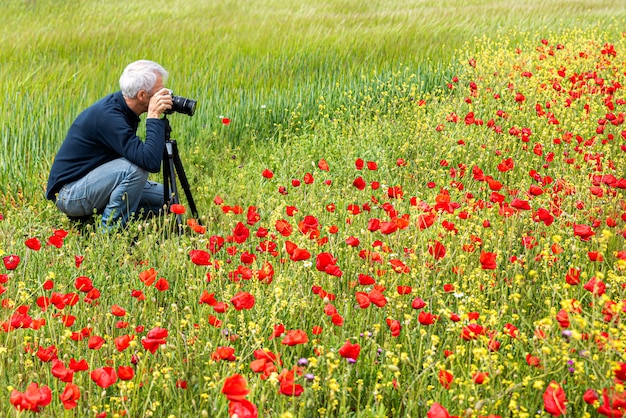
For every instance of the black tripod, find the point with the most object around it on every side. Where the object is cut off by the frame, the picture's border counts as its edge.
(172, 165)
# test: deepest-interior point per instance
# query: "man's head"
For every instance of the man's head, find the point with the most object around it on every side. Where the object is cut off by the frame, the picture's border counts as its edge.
(142, 75)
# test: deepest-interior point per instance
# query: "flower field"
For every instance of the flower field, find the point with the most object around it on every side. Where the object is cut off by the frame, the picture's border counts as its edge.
(456, 252)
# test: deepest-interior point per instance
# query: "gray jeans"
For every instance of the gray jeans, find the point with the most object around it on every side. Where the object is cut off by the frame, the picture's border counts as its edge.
(116, 189)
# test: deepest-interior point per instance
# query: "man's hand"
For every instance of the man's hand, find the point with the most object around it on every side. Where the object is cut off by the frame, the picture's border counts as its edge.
(159, 103)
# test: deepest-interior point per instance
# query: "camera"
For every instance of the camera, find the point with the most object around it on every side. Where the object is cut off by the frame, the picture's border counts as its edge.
(182, 105)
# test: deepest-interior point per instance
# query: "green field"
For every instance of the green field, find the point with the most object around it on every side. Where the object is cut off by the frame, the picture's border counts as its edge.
(438, 183)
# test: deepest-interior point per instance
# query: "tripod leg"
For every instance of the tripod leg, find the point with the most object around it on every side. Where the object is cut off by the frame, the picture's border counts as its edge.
(170, 193)
(183, 181)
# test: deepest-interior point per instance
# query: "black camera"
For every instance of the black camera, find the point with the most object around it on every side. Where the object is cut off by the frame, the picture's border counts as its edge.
(182, 105)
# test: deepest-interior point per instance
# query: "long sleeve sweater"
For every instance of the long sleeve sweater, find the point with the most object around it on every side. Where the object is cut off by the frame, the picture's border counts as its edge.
(103, 132)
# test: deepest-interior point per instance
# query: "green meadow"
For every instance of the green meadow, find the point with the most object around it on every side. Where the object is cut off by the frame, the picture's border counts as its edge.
(406, 208)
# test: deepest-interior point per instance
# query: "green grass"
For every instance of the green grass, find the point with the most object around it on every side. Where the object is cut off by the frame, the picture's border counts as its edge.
(252, 61)
(334, 80)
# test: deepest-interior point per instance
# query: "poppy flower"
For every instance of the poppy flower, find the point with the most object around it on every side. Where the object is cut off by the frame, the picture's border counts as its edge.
(148, 276)
(122, 342)
(83, 284)
(11, 261)
(427, 318)
(437, 411)
(240, 233)
(437, 250)
(162, 284)
(418, 303)
(199, 258)
(177, 209)
(154, 339)
(350, 351)
(95, 342)
(267, 173)
(445, 378)
(323, 165)
(47, 354)
(488, 260)
(584, 232)
(243, 300)
(242, 409)
(104, 376)
(394, 327)
(125, 372)
(295, 337)
(61, 372)
(235, 387)
(33, 398)
(554, 400)
(377, 297)
(117, 310)
(359, 183)
(33, 243)
(70, 395)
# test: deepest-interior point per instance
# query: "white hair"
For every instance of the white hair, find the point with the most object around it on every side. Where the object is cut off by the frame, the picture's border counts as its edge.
(140, 75)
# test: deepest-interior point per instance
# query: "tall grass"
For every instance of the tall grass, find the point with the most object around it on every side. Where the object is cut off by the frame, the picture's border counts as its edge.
(339, 81)
(251, 61)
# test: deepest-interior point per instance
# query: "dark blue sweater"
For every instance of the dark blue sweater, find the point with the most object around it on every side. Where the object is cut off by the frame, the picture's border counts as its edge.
(105, 131)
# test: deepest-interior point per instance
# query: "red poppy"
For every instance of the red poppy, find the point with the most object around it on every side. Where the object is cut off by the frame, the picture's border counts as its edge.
(154, 339)
(122, 342)
(162, 284)
(427, 318)
(323, 165)
(437, 411)
(47, 354)
(350, 351)
(267, 173)
(199, 258)
(235, 387)
(488, 260)
(125, 372)
(584, 232)
(295, 337)
(70, 395)
(362, 299)
(177, 208)
(33, 244)
(445, 378)
(95, 342)
(283, 227)
(117, 310)
(242, 409)
(437, 250)
(240, 233)
(11, 261)
(104, 376)
(33, 398)
(359, 183)
(394, 327)
(207, 298)
(590, 396)
(243, 300)
(214, 321)
(418, 303)
(377, 297)
(148, 276)
(479, 377)
(554, 399)
(224, 353)
(61, 372)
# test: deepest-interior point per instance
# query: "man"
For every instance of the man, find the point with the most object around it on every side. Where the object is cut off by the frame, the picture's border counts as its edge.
(103, 166)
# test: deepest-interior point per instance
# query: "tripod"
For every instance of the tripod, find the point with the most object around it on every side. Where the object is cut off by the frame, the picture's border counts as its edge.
(172, 165)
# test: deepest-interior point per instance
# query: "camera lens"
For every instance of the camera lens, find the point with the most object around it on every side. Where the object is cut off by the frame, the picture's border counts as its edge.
(183, 105)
